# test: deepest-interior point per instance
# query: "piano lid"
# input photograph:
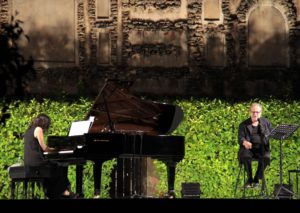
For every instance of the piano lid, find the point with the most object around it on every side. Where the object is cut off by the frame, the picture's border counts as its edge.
(116, 110)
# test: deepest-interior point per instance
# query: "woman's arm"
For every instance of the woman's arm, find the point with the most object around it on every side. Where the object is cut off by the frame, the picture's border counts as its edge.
(39, 135)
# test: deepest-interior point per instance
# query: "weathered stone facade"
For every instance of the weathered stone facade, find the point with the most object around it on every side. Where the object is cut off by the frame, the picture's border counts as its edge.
(205, 48)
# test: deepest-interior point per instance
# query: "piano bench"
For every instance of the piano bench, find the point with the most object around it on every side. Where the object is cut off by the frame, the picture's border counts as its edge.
(18, 175)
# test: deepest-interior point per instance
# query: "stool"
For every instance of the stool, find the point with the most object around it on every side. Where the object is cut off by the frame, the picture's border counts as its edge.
(263, 191)
(29, 175)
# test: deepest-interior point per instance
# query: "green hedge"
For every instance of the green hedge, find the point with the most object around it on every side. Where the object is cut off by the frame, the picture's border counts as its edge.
(210, 130)
(62, 114)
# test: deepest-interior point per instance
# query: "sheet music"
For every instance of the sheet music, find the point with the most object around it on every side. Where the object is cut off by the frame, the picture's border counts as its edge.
(81, 127)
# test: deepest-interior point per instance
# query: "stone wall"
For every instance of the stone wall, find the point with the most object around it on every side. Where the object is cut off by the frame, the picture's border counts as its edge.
(205, 48)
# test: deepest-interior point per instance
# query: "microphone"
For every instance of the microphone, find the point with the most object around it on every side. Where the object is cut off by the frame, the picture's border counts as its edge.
(262, 128)
(259, 124)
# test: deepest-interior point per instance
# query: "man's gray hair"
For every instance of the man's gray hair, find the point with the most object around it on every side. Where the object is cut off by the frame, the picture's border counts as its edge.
(256, 104)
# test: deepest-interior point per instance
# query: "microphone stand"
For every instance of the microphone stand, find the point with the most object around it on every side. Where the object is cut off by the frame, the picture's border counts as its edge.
(261, 161)
(263, 192)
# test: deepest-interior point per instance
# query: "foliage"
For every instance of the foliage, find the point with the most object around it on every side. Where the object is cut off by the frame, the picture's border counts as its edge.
(62, 114)
(210, 131)
(15, 69)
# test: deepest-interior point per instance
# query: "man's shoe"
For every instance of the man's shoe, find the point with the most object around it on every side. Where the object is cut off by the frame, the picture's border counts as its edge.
(255, 185)
(248, 185)
(256, 182)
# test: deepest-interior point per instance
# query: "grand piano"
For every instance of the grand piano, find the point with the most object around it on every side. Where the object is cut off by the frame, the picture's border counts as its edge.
(124, 127)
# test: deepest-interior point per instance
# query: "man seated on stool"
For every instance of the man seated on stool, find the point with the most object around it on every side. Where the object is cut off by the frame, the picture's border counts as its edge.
(254, 144)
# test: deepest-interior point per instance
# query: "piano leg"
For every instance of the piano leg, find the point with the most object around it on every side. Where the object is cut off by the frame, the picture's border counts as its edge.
(97, 170)
(79, 169)
(12, 189)
(171, 167)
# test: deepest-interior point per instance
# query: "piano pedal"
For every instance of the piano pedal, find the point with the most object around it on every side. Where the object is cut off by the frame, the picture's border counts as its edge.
(137, 196)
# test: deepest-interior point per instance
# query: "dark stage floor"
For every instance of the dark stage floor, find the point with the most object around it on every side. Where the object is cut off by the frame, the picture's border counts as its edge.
(146, 205)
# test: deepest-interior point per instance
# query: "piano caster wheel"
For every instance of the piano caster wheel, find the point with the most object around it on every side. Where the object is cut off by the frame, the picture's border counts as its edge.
(171, 194)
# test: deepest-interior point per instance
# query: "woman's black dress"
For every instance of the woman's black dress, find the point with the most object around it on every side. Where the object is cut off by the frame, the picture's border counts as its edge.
(33, 157)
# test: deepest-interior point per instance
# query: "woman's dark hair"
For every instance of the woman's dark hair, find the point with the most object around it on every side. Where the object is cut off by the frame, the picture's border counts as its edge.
(42, 120)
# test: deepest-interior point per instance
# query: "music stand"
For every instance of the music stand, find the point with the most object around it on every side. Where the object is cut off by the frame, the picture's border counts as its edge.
(282, 132)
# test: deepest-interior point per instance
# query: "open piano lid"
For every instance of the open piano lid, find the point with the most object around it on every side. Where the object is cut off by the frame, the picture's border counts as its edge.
(115, 110)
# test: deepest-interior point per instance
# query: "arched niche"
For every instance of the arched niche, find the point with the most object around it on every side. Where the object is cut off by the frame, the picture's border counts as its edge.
(215, 49)
(267, 37)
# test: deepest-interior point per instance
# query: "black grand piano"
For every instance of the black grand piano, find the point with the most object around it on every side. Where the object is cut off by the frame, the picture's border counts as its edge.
(124, 127)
